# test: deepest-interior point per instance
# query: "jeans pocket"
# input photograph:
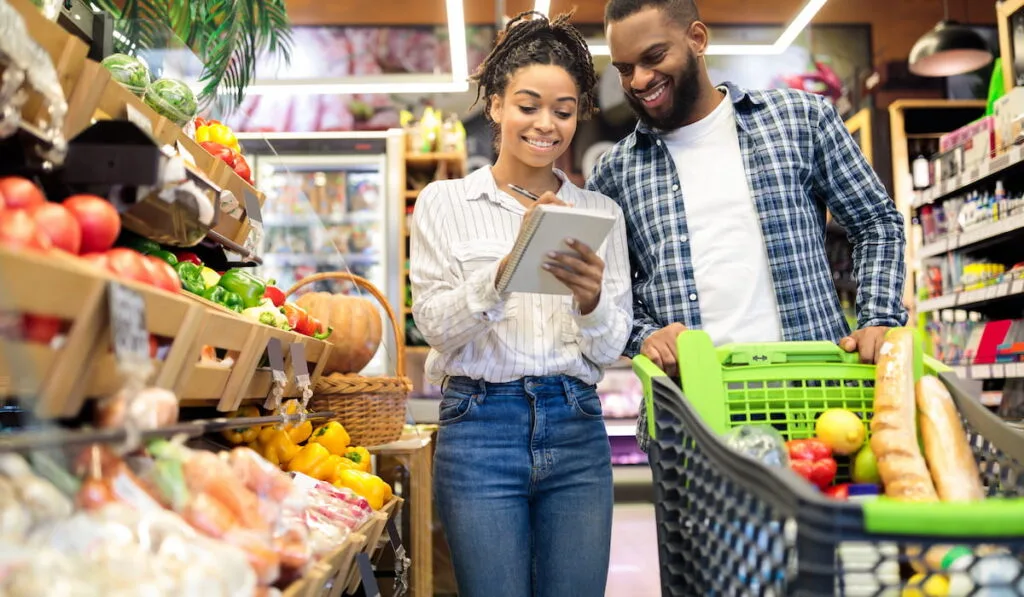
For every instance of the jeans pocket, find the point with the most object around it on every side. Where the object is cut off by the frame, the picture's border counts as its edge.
(587, 403)
(455, 406)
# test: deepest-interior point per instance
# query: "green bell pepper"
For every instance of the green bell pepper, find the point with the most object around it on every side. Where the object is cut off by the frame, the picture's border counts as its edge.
(245, 285)
(191, 277)
(224, 297)
(142, 245)
(165, 256)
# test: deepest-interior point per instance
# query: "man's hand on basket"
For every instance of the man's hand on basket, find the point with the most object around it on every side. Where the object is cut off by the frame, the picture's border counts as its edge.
(866, 341)
(660, 347)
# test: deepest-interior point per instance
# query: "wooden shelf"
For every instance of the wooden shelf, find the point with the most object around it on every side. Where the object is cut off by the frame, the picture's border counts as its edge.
(434, 157)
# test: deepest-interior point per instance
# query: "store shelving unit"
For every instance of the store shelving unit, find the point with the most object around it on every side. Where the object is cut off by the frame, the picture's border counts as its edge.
(419, 170)
(958, 308)
(920, 121)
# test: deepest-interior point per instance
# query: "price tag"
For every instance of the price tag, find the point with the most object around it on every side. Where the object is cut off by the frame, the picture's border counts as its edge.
(276, 356)
(128, 324)
(1017, 287)
(1002, 289)
(960, 372)
(992, 292)
(370, 587)
(299, 366)
(998, 371)
(981, 372)
(252, 205)
(139, 119)
(1018, 370)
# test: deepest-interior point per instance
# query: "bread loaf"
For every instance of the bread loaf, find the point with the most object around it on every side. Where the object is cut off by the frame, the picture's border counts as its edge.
(893, 426)
(950, 460)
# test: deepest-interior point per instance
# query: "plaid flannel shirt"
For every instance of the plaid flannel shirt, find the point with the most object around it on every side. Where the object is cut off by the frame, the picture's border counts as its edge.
(800, 160)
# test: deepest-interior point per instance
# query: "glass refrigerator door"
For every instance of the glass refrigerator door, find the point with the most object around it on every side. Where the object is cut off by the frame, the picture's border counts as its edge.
(324, 214)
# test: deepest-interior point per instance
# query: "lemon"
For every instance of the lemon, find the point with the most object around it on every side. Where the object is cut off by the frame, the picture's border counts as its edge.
(841, 430)
(917, 586)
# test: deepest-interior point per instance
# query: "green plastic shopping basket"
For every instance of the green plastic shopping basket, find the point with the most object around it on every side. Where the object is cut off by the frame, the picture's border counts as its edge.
(730, 525)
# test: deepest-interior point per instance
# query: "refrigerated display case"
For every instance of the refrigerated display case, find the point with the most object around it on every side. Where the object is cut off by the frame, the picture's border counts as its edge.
(334, 203)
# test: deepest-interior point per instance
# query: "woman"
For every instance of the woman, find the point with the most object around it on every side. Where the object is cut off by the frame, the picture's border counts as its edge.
(522, 465)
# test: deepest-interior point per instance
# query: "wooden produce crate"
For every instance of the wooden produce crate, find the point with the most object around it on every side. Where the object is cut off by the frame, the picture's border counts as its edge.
(62, 377)
(327, 575)
(245, 341)
(374, 531)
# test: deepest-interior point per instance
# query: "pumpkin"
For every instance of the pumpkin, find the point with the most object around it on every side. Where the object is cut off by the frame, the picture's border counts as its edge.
(356, 324)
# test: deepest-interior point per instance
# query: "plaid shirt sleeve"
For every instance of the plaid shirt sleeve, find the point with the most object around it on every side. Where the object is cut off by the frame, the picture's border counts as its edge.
(603, 181)
(860, 204)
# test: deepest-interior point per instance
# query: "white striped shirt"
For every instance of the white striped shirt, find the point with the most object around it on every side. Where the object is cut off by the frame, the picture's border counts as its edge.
(461, 229)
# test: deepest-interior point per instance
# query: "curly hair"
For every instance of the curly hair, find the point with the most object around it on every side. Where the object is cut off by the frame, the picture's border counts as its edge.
(531, 38)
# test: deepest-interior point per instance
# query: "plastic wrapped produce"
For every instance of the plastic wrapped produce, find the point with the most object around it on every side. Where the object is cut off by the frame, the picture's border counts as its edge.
(760, 442)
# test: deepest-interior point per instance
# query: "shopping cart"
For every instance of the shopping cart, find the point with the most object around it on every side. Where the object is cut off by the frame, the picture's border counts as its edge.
(730, 525)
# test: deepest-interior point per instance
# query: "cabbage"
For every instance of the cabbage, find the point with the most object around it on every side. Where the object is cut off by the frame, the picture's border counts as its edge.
(128, 71)
(173, 100)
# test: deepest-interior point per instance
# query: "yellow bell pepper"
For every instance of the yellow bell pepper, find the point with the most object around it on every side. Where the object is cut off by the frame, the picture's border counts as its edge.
(360, 456)
(332, 436)
(370, 487)
(218, 133)
(314, 460)
(242, 435)
(299, 432)
(338, 464)
(277, 446)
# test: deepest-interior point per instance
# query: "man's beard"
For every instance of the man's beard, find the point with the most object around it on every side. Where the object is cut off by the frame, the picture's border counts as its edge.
(684, 98)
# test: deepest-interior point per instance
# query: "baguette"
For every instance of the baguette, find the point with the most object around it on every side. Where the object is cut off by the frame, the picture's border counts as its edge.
(901, 466)
(954, 470)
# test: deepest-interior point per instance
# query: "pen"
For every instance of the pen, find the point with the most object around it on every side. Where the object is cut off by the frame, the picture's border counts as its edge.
(523, 191)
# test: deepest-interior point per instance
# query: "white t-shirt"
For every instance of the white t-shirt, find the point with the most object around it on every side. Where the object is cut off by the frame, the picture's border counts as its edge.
(730, 261)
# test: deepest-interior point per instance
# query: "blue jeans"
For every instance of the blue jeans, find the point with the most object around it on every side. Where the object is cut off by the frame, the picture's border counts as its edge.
(523, 484)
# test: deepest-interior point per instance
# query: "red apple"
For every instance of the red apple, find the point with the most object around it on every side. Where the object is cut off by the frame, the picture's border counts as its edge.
(59, 225)
(18, 193)
(19, 231)
(99, 220)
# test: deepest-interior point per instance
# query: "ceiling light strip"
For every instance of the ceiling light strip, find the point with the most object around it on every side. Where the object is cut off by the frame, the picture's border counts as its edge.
(458, 82)
(786, 39)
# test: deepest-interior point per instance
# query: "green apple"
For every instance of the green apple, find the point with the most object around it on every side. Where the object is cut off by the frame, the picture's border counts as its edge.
(865, 467)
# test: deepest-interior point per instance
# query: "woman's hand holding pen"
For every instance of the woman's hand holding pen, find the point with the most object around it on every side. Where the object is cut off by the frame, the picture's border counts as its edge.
(547, 198)
(582, 271)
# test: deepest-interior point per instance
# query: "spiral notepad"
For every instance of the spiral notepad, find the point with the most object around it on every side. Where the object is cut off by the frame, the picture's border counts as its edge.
(545, 231)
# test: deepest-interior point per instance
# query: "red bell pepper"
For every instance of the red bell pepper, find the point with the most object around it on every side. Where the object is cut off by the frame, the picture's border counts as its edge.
(812, 460)
(275, 294)
(297, 318)
(189, 257)
(241, 167)
(320, 331)
(221, 152)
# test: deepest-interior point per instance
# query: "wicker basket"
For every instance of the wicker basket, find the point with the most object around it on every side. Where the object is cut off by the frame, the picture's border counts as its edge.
(372, 409)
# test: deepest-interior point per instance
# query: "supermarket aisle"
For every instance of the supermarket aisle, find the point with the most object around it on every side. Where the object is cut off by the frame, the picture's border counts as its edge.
(634, 562)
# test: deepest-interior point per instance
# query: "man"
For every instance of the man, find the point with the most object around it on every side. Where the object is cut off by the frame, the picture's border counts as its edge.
(725, 193)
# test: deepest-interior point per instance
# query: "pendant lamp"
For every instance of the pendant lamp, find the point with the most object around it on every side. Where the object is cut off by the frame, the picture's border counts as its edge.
(949, 49)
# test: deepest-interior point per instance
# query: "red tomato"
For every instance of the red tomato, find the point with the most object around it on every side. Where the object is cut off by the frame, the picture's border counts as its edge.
(59, 225)
(19, 193)
(99, 260)
(99, 220)
(128, 265)
(162, 274)
(41, 328)
(19, 231)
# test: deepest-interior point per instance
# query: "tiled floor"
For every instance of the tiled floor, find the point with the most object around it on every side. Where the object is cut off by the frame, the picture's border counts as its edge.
(634, 562)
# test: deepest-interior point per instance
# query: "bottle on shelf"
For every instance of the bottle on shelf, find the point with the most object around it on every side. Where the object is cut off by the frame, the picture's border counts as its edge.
(920, 168)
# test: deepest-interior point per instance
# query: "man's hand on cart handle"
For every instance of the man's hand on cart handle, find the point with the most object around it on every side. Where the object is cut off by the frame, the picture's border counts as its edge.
(660, 347)
(866, 341)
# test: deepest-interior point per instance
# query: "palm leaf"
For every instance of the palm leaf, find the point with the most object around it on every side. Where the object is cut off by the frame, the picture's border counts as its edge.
(228, 36)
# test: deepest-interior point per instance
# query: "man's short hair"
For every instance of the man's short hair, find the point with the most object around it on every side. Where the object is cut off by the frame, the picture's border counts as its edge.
(683, 12)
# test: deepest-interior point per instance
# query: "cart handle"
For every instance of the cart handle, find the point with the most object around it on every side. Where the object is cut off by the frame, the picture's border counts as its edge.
(990, 518)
